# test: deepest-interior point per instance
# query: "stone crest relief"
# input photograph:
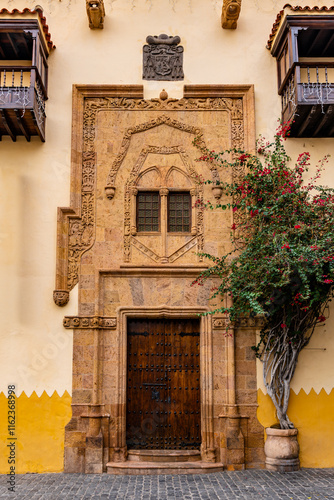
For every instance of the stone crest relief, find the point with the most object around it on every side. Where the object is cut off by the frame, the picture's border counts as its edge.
(163, 58)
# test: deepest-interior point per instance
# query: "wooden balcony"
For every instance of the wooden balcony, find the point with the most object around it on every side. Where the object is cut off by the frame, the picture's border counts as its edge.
(22, 102)
(307, 94)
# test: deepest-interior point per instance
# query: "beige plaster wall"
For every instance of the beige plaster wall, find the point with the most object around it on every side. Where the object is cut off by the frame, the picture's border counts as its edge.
(36, 350)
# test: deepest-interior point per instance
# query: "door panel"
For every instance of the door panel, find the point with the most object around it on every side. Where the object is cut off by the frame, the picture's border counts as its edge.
(163, 384)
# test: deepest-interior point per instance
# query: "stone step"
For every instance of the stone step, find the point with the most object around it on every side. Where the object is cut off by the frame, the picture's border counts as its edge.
(164, 455)
(144, 468)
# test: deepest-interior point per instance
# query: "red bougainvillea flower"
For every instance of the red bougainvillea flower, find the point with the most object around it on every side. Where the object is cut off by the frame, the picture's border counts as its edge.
(286, 246)
(283, 325)
(233, 226)
(327, 281)
(321, 319)
(243, 158)
(298, 226)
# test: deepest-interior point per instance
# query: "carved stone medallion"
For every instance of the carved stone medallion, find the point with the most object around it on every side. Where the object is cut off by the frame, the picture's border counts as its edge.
(163, 58)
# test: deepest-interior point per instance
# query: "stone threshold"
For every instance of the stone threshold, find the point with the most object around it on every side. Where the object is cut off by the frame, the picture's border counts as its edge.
(164, 455)
(145, 468)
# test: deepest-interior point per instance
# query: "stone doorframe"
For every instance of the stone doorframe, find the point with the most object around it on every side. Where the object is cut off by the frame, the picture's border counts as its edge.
(208, 451)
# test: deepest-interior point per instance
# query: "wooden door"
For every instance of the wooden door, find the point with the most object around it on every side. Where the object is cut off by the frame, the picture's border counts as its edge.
(163, 384)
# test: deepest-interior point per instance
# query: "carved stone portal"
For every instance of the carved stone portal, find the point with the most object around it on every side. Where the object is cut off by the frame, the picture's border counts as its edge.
(163, 58)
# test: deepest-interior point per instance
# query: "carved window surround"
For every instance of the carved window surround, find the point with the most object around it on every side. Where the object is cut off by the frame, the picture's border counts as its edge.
(76, 224)
(163, 223)
(163, 192)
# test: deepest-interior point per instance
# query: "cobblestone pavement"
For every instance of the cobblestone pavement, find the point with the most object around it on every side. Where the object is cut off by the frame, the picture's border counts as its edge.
(306, 484)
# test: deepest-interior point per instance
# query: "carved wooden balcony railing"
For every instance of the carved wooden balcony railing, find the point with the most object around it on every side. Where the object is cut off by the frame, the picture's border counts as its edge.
(22, 102)
(307, 94)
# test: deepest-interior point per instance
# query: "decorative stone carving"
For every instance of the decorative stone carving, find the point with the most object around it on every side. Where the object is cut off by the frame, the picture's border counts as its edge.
(230, 14)
(119, 454)
(76, 233)
(208, 454)
(61, 297)
(222, 322)
(163, 58)
(163, 95)
(95, 13)
(219, 323)
(217, 192)
(144, 249)
(150, 289)
(89, 322)
(129, 214)
(110, 192)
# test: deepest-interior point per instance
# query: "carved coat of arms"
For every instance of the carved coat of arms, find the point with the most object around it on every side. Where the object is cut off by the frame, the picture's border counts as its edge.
(163, 58)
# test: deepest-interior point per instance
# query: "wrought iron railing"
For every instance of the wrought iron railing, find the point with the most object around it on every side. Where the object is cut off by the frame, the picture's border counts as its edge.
(309, 84)
(22, 87)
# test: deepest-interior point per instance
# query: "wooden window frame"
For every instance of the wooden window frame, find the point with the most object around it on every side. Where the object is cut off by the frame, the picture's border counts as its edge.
(171, 193)
(159, 212)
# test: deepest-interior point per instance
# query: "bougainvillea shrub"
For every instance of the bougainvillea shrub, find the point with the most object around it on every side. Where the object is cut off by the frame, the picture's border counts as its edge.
(281, 265)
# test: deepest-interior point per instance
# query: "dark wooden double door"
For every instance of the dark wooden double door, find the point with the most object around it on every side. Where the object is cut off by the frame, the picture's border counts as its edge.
(163, 384)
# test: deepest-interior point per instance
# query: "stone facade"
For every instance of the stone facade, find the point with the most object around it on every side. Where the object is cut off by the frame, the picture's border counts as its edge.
(124, 144)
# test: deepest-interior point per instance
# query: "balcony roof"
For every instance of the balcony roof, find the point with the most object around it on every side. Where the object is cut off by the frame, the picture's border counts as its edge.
(290, 10)
(28, 14)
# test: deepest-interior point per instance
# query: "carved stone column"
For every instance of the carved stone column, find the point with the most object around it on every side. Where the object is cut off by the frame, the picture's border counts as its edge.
(133, 229)
(235, 442)
(94, 437)
(164, 193)
(234, 437)
(193, 194)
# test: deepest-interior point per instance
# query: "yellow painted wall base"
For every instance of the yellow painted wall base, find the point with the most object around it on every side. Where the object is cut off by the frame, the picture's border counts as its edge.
(312, 414)
(40, 424)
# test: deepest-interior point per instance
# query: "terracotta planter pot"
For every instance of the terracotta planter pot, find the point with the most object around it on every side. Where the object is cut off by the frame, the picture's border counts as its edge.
(281, 449)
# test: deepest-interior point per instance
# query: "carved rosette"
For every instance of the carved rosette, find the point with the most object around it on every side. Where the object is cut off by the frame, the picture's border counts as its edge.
(220, 323)
(89, 322)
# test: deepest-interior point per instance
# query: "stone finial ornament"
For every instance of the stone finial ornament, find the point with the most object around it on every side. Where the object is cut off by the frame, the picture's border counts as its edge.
(163, 58)
(230, 14)
(95, 13)
(163, 95)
